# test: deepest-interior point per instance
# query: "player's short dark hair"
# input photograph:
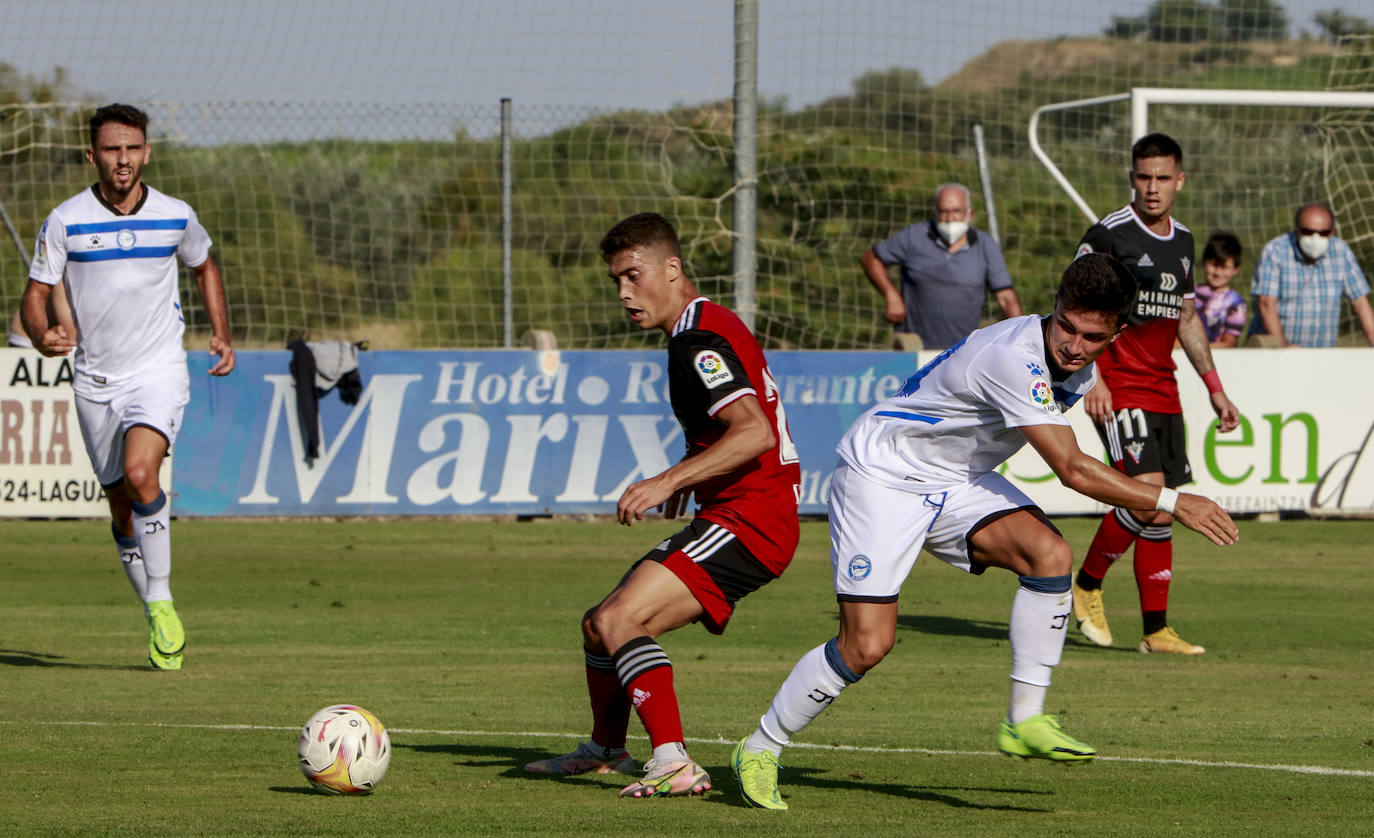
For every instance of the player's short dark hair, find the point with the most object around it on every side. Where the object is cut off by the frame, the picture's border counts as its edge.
(1156, 145)
(120, 115)
(645, 229)
(1222, 245)
(1298, 214)
(1097, 282)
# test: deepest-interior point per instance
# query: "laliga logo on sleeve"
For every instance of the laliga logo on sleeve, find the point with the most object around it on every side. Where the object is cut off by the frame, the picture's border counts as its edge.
(1042, 395)
(40, 256)
(712, 369)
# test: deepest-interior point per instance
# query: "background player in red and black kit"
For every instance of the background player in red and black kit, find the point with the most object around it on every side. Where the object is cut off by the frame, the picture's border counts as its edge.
(1135, 404)
(742, 466)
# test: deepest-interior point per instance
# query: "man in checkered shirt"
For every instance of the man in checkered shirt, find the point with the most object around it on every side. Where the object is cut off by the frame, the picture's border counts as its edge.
(1300, 278)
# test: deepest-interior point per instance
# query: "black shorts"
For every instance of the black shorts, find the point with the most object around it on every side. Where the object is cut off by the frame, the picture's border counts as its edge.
(1141, 442)
(714, 565)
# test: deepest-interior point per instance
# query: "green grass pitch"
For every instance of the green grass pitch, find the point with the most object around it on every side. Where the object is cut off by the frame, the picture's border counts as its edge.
(463, 637)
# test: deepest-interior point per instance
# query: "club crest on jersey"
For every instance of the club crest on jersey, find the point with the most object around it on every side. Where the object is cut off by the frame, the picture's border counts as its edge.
(1083, 250)
(125, 239)
(860, 566)
(712, 369)
(1135, 449)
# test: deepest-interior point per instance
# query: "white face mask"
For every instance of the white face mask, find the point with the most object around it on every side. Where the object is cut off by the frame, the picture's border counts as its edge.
(951, 231)
(1313, 246)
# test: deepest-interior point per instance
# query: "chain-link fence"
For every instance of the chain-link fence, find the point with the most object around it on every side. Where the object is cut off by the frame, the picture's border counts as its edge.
(382, 221)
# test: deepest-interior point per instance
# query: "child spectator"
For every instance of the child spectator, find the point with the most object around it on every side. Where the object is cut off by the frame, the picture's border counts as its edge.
(1220, 307)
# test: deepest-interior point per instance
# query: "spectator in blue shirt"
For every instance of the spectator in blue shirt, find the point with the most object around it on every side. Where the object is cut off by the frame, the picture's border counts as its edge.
(1300, 278)
(948, 266)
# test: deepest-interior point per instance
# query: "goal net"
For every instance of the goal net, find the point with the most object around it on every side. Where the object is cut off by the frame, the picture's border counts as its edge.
(346, 157)
(1252, 158)
(1348, 138)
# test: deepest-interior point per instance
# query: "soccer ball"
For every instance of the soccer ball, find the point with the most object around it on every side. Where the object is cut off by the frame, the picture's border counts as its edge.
(344, 749)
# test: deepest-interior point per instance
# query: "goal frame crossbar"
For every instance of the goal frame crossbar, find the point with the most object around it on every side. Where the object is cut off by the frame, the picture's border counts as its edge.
(1141, 98)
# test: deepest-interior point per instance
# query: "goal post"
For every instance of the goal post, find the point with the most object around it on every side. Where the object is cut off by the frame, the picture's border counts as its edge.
(1142, 98)
(1059, 177)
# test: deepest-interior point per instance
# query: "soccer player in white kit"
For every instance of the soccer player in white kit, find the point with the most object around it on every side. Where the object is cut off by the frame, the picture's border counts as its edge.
(919, 469)
(115, 245)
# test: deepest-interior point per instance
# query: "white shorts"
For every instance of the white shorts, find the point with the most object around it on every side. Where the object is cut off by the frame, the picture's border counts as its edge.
(876, 532)
(157, 400)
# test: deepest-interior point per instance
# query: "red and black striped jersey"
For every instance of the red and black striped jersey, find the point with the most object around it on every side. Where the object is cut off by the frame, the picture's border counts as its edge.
(1138, 366)
(714, 360)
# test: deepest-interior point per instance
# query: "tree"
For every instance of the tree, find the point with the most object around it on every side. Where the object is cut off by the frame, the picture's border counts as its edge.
(893, 83)
(22, 88)
(1195, 21)
(1337, 24)
(1253, 20)
(1181, 21)
(1126, 27)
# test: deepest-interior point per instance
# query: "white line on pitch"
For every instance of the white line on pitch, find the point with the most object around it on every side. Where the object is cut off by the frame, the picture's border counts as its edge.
(530, 734)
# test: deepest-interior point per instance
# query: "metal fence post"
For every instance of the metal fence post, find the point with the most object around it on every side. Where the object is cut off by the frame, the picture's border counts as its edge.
(985, 175)
(507, 232)
(746, 156)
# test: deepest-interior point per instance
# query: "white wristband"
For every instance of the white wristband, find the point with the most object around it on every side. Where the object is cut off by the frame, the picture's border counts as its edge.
(1167, 498)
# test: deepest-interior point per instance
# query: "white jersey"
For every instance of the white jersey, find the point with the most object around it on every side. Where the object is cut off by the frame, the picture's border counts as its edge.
(121, 274)
(960, 415)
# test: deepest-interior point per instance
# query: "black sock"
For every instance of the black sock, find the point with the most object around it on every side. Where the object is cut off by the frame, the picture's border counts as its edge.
(1086, 582)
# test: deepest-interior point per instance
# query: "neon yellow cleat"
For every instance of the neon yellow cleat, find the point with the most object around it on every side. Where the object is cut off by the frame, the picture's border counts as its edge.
(1092, 618)
(1041, 737)
(758, 777)
(1166, 641)
(166, 638)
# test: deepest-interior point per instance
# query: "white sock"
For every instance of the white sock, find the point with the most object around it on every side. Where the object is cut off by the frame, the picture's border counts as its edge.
(1039, 623)
(155, 543)
(132, 560)
(1026, 700)
(670, 752)
(813, 684)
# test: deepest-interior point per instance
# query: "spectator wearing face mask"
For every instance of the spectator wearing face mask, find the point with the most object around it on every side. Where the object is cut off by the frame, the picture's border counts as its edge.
(1300, 278)
(948, 267)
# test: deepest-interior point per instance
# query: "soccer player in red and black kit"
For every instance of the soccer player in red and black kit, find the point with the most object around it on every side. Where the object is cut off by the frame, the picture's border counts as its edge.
(742, 466)
(1135, 403)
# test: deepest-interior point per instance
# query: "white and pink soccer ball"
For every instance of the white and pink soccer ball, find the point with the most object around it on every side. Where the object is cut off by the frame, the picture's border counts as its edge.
(344, 749)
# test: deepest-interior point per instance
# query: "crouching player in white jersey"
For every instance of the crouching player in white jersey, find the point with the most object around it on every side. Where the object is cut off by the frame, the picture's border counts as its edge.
(116, 246)
(919, 469)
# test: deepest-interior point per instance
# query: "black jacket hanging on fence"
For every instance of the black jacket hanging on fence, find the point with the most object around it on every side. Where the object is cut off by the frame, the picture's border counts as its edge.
(316, 368)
